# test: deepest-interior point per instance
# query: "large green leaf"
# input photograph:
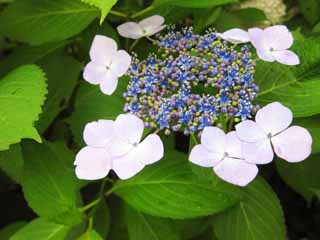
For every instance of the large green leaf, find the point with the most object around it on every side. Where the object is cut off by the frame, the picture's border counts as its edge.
(22, 93)
(49, 183)
(141, 226)
(103, 5)
(90, 235)
(296, 87)
(91, 105)
(9, 230)
(41, 229)
(194, 4)
(101, 219)
(310, 10)
(40, 21)
(62, 73)
(258, 216)
(170, 189)
(11, 162)
(303, 177)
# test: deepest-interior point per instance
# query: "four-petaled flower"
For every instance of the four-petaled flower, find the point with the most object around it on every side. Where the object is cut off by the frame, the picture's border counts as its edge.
(107, 64)
(145, 28)
(115, 145)
(271, 129)
(223, 152)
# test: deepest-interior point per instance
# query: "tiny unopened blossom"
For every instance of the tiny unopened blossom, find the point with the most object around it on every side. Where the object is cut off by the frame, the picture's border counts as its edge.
(145, 28)
(115, 145)
(223, 152)
(271, 132)
(107, 64)
(272, 44)
(235, 36)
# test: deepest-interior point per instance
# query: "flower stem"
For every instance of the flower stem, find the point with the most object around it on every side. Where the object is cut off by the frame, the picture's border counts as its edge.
(135, 42)
(119, 14)
(142, 12)
(194, 138)
(90, 205)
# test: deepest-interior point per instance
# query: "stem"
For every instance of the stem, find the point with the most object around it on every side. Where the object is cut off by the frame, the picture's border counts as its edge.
(138, 14)
(135, 42)
(194, 138)
(119, 14)
(150, 39)
(90, 205)
(230, 125)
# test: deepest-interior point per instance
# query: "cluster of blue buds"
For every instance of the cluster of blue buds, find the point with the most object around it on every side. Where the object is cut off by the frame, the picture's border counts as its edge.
(192, 82)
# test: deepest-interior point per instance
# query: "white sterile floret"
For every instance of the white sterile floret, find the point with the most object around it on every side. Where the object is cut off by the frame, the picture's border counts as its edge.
(147, 27)
(235, 36)
(223, 152)
(107, 64)
(271, 129)
(116, 145)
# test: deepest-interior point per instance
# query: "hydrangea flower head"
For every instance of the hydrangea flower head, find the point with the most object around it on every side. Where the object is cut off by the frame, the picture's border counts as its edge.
(107, 64)
(223, 152)
(145, 28)
(271, 132)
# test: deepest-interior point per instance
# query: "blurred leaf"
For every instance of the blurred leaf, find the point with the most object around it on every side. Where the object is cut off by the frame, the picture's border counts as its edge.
(103, 5)
(316, 28)
(296, 87)
(313, 125)
(22, 92)
(310, 10)
(193, 4)
(101, 219)
(62, 73)
(91, 105)
(27, 55)
(258, 216)
(11, 162)
(41, 21)
(141, 226)
(49, 183)
(190, 228)
(41, 229)
(90, 235)
(203, 18)
(170, 189)
(9, 230)
(118, 230)
(303, 177)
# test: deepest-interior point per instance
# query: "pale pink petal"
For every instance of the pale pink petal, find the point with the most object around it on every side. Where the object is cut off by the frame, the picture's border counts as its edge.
(130, 30)
(259, 152)
(120, 63)
(265, 54)
(92, 163)
(109, 83)
(293, 144)
(214, 139)
(152, 22)
(152, 31)
(235, 35)
(236, 171)
(286, 57)
(102, 49)
(94, 72)
(249, 131)
(256, 38)
(201, 156)
(98, 133)
(129, 127)
(119, 146)
(233, 145)
(127, 165)
(274, 118)
(150, 150)
(278, 37)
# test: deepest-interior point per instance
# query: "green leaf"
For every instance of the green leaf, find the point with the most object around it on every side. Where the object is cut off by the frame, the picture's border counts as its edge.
(203, 18)
(141, 226)
(91, 105)
(62, 73)
(49, 183)
(41, 229)
(170, 189)
(101, 219)
(90, 235)
(11, 162)
(193, 4)
(313, 126)
(28, 55)
(303, 177)
(257, 217)
(9, 230)
(41, 21)
(103, 5)
(22, 93)
(310, 10)
(191, 228)
(296, 87)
